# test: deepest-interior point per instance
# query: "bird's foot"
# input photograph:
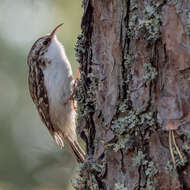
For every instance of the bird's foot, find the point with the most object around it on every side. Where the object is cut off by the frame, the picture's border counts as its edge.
(74, 91)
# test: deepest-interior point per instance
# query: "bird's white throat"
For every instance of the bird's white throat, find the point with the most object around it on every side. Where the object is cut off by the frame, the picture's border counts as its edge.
(57, 72)
(56, 52)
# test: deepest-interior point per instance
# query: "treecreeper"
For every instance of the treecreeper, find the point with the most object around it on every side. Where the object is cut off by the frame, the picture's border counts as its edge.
(51, 84)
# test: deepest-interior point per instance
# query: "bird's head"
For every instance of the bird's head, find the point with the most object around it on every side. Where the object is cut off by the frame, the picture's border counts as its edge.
(41, 45)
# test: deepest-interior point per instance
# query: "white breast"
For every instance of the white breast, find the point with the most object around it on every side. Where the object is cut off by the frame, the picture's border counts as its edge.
(59, 83)
(58, 73)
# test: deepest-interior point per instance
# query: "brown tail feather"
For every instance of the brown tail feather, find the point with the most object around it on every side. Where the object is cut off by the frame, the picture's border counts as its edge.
(76, 150)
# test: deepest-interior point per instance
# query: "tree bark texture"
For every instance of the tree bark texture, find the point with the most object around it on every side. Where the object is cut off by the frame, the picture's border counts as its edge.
(134, 88)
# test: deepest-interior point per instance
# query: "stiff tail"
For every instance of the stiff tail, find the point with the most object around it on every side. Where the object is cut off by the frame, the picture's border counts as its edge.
(76, 150)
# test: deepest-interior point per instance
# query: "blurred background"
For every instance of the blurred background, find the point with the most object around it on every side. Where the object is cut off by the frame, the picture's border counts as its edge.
(29, 159)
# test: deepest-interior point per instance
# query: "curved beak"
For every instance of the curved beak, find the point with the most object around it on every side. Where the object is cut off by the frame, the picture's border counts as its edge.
(55, 30)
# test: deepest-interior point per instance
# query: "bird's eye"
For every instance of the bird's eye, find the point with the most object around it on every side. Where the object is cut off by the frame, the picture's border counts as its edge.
(46, 42)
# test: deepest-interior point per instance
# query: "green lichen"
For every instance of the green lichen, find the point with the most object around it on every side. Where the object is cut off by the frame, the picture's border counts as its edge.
(179, 161)
(98, 168)
(133, 5)
(94, 184)
(123, 142)
(171, 169)
(86, 98)
(83, 103)
(85, 95)
(79, 47)
(186, 148)
(86, 175)
(147, 24)
(147, 118)
(130, 122)
(186, 133)
(139, 159)
(80, 181)
(119, 186)
(151, 170)
(150, 72)
(133, 30)
(151, 22)
(128, 60)
(125, 128)
(123, 106)
(149, 186)
(124, 124)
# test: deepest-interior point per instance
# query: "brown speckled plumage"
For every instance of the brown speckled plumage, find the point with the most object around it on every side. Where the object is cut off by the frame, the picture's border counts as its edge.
(39, 94)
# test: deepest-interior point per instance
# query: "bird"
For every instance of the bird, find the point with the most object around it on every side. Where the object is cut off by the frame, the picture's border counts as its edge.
(50, 81)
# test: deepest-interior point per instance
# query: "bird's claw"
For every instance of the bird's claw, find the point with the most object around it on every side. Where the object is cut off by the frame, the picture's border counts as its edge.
(74, 91)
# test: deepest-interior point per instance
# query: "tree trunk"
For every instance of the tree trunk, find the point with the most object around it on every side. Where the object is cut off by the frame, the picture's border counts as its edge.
(134, 94)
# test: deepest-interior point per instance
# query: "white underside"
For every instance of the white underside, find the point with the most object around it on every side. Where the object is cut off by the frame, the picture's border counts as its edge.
(58, 81)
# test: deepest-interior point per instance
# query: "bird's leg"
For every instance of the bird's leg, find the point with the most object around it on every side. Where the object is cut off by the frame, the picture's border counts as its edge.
(74, 91)
(172, 138)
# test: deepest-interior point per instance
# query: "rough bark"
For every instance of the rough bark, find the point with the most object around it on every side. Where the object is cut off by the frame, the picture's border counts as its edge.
(135, 86)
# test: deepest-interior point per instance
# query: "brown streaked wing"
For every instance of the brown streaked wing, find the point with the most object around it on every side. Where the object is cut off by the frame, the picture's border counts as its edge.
(39, 95)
